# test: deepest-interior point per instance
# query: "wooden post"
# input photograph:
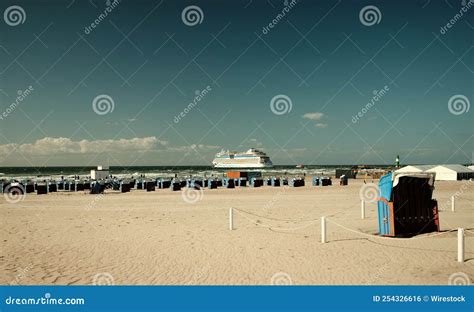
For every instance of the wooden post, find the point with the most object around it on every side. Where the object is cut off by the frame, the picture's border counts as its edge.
(453, 203)
(460, 245)
(362, 209)
(323, 230)
(231, 218)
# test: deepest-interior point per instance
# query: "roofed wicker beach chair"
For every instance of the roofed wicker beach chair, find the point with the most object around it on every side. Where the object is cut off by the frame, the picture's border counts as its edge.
(406, 206)
(150, 186)
(296, 182)
(52, 186)
(175, 185)
(41, 188)
(97, 187)
(30, 187)
(241, 182)
(229, 183)
(124, 186)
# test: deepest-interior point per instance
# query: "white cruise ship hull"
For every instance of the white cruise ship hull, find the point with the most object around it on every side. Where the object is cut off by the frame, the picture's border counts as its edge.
(253, 158)
(248, 165)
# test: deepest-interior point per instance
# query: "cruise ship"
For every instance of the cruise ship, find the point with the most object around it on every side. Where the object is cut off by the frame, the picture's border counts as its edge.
(252, 158)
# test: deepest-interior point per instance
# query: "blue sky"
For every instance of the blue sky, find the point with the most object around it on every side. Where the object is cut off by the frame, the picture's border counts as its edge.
(319, 55)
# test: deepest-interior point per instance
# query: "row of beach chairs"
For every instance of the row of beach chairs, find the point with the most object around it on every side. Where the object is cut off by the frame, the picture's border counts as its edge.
(124, 186)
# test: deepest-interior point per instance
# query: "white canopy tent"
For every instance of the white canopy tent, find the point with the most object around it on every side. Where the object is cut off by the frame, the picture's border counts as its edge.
(414, 168)
(452, 172)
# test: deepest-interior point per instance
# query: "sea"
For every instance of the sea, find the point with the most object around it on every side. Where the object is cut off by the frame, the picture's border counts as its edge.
(57, 173)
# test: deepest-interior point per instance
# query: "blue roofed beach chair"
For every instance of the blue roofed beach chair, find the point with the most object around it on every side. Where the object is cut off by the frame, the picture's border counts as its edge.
(275, 181)
(405, 205)
(97, 187)
(175, 185)
(296, 182)
(212, 183)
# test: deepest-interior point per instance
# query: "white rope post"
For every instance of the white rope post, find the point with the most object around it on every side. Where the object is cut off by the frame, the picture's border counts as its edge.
(362, 209)
(460, 245)
(323, 230)
(231, 218)
(453, 203)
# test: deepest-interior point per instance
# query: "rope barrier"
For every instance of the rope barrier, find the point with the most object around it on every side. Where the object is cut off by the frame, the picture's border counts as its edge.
(274, 219)
(388, 238)
(472, 232)
(369, 237)
(314, 221)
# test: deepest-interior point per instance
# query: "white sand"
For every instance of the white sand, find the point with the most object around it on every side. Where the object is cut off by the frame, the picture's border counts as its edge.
(158, 238)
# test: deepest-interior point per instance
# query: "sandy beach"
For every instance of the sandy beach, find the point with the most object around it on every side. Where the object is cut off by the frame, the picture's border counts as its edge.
(158, 238)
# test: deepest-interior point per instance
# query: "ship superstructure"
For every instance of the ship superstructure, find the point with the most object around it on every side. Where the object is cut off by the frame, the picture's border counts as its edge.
(252, 158)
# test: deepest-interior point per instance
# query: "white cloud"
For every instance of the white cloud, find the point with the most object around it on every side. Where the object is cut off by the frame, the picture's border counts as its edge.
(193, 147)
(253, 142)
(49, 146)
(316, 117)
(313, 116)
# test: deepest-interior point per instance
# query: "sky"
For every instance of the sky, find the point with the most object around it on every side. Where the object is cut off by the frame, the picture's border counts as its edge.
(174, 82)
